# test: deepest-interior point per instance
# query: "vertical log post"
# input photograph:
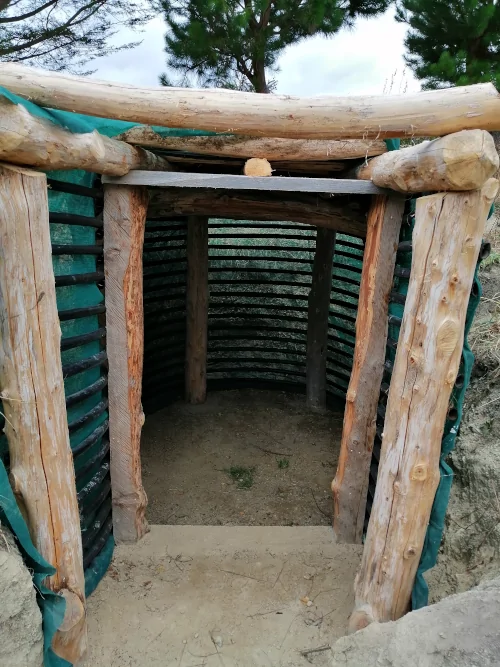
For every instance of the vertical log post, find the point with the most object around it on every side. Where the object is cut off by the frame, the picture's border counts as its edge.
(317, 319)
(197, 309)
(125, 209)
(32, 390)
(350, 485)
(446, 242)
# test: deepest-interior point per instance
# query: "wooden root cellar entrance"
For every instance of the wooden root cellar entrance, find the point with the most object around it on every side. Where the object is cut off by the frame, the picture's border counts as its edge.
(181, 316)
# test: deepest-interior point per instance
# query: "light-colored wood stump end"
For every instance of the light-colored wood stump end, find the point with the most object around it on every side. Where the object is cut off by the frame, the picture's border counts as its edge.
(257, 166)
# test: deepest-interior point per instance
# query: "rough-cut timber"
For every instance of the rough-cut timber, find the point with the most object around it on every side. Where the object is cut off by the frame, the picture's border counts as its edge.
(331, 212)
(232, 146)
(446, 242)
(318, 308)
(197, 309)
(350, 485)
(124, 221)
(36, 142)
(257, 166)
(237, 182)
(428, 113)
(32, 389)
(460, 161)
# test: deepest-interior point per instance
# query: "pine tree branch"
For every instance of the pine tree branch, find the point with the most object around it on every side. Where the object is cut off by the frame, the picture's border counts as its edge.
(55, 32)
(23, 17)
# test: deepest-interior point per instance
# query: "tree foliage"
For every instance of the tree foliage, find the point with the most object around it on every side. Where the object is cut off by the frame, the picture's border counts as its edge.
(236, 43)
(452, 42)
(65, 34)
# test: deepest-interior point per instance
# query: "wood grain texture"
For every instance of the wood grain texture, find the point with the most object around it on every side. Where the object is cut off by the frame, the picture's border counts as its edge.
(318, 308)
(273, 149)
(422, 114)
(30, 140)
(124, 221)
(446, 241)
(350, 485)
(32, 389)
(235, 182)
(460, 161)
(344, 217)
(196, 309)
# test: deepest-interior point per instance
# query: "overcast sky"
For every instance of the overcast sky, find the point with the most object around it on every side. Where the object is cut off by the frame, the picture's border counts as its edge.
(361, 61)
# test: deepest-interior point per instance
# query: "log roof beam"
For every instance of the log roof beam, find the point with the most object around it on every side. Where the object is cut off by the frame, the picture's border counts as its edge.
(422, 114)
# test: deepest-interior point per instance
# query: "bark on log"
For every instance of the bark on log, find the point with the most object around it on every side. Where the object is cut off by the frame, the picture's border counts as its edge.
(292, 207)
(446, 242)
(317, 319)
(197, 309)
(30, 140)
(32, 389)
(460, 161)
(124, 222)
(273, 149)
(350, 485)
(428, 113)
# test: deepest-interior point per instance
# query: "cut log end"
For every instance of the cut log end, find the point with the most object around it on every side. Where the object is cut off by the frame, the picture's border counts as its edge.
(257, 166)
(457, 162)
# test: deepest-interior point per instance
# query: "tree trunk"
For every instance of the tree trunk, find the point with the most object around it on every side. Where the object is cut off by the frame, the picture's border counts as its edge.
(259, 78)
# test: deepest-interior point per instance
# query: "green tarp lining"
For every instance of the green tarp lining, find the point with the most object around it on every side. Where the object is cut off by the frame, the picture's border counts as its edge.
(85, 295)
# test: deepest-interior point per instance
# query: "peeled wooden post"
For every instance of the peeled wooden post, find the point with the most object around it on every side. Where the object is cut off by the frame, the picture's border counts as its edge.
(317, 319)
(197, 309)
(446, 242)
(350, 485)
(124, 222)
(460, 161)
(32, 391)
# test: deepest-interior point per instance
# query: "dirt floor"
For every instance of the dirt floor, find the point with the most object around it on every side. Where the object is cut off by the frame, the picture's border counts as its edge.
(244, 457)
(218, 596)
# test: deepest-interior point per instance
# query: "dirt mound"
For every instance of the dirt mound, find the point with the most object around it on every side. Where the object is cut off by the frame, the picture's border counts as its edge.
(21, 637)
(461, 631)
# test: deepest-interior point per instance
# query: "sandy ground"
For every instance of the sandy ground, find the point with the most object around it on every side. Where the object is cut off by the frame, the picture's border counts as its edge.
(194, 596)
(187, 452)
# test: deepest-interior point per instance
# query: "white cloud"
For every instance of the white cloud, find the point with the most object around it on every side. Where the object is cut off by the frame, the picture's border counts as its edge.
(362, 61)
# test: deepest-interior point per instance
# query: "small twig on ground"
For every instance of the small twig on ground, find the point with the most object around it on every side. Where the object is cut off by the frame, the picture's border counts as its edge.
(270, 451)
(318, 649)
(328, 516)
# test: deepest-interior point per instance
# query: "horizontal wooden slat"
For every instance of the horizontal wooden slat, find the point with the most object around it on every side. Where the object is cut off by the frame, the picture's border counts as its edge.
(172, 179)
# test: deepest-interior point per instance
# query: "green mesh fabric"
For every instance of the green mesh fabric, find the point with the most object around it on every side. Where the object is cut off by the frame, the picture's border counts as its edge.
(259, 281)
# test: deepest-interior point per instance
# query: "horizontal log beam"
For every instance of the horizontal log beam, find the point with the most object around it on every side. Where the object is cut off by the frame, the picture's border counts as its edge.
(36, 142)
(234, 182)
(427, 113)
(460, 161)
(274, 149)
(292, 207)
